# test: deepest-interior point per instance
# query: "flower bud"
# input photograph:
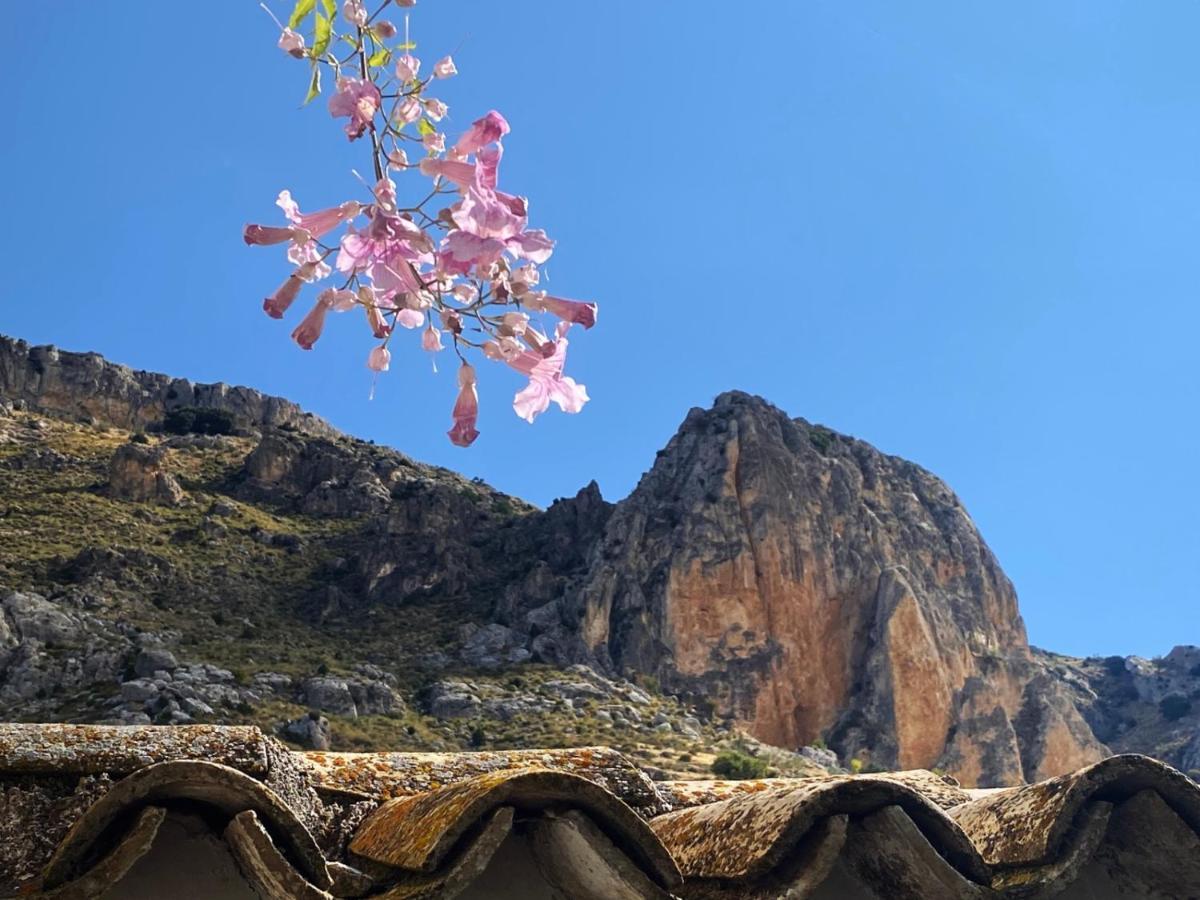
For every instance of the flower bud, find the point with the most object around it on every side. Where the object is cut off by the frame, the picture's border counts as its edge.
(408, 111)
(379, 359)
(407, 67)
(515, 322)
(355, 13)
(292, 43)
(431, 339)
(435, 109)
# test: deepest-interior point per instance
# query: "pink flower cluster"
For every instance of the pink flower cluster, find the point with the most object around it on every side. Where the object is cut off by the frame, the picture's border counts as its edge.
(466, 272)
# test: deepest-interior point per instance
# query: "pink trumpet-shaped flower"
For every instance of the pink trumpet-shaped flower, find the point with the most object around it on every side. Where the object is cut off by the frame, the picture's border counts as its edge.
(379, 359)
(466, 409)
(533, 245)
(309, 329)
(291, 43)
(357, 98)
(265, 235)
(483, 214)
(464, 251)
(487, 166)
(483, 131)
(576, 311)
(317, 223)
(460, 173)
(546, 382)
(431, 339)
(444, 68)
(338, 300)
(277, 304)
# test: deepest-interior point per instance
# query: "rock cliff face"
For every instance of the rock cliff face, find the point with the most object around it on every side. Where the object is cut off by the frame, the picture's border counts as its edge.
(87, 386)
(766, 574)
(814, 588)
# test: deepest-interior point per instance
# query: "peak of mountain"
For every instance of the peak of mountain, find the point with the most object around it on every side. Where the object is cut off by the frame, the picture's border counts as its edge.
(802, 582)
(768, 579)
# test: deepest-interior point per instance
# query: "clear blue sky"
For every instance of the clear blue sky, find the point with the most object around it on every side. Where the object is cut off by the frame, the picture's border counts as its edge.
(965, 233)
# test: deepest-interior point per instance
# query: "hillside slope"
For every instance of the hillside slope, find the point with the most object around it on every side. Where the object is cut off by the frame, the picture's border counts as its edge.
(767, 576)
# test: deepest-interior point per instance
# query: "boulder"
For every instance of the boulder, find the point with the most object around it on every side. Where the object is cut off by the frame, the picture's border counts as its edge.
(136, 473)
(452, 700)
(31, 617)
(154, 659)
(329, 694)
(311, 732)
(822, 756)
(491, 646)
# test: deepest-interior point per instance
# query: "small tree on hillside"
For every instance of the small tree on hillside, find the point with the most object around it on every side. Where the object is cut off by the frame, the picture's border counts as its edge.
(739, 766)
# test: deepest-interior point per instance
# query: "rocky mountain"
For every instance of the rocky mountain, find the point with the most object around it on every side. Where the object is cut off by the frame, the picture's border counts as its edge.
(181, 552)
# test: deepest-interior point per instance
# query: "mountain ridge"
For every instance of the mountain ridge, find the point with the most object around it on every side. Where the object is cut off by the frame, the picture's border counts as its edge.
(765, 574)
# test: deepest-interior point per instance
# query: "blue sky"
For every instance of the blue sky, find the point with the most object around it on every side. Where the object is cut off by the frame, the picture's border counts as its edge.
(964, 233)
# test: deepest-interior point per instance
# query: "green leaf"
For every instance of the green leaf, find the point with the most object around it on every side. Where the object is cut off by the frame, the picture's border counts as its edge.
(424, 127)
(330, 7)
(322, 35)
(411, 45)
(380, 57)
(314, 85)
(300, 12)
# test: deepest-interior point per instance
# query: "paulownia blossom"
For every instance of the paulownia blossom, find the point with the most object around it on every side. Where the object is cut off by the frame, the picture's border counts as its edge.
(359, 99)
(547, 382)
(460, 263)
(466, 408)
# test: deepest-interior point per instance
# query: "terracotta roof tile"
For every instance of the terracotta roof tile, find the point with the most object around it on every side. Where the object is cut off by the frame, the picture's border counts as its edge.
(388, 775)
(1025, 826)
(90, 810)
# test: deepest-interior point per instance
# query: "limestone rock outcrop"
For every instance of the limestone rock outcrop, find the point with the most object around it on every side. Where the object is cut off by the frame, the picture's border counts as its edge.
(812, 587)
(137, 473)
(770, 574)
(87, 386)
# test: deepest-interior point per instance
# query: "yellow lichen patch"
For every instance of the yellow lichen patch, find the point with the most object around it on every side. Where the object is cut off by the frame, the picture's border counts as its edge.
(750, 831)
(1026, 826)
(390, 775)
(414, 833)
(115, 750)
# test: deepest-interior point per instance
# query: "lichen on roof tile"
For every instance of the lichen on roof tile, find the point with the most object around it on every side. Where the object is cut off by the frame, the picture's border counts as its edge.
(1024, 826)
(749, 833)
(414, 833)
(119, 749)
(414, 823)
(388, 775)
(939, 789)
